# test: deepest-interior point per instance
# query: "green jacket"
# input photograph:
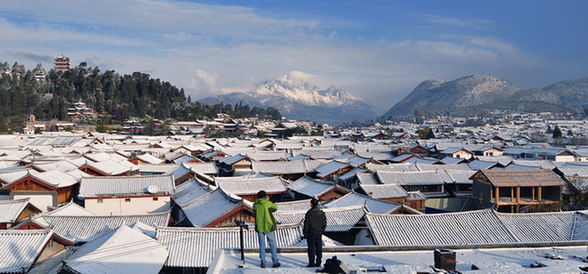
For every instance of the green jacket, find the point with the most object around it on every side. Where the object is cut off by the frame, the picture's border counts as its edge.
(264, 217)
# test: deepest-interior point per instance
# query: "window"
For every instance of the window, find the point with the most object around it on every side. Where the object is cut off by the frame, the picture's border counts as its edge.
(100, 201)
(127, 200)
(155, 199)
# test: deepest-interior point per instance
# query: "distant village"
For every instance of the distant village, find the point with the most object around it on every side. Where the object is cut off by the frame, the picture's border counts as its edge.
(75, 200)
(77, 192)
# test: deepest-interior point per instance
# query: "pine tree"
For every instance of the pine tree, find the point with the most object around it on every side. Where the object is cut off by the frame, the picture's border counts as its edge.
(556, 132)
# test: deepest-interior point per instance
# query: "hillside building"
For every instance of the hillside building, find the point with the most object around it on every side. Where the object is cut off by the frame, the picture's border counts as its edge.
(79, 110)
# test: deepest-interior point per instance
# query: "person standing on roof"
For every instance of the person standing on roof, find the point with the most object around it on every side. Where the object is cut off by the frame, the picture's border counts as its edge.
(265, 225)
(315, 223)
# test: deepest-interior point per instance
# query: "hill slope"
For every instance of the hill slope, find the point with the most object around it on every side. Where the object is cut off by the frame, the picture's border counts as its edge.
(483, 92)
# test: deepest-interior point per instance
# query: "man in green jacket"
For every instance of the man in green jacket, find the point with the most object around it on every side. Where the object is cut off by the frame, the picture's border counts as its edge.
(265, 225)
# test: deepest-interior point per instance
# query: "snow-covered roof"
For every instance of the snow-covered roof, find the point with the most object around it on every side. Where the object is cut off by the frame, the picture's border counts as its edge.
(477, 227)
(21, 248)
(248, 186)
(267, 155)
(296, 205)
(368, 179)
(123, 250)
(311, 187)
(148, 158)
(189, 191)
(81, 229)
(53, 178)
(330, 168)
(291, 167)
(210, 207)
(196, 247)
(111, 167)
(384, 191)
(414, 178)
(10, 210)
(338, 219)
(163, 168)
(373, 205)
(70, 209)
(101, 186)
(204, 168)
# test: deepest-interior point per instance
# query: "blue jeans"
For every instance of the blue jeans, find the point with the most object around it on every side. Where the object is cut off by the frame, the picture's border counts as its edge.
(271, 238)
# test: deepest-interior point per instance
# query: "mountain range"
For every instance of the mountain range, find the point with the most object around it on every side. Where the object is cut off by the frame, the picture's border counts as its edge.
(471, 95)
(298, 99)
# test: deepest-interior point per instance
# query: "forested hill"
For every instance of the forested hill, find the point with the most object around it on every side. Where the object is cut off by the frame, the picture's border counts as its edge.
(47, 95)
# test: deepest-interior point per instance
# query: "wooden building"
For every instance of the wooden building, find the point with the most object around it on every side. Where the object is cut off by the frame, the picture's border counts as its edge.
(512, 190)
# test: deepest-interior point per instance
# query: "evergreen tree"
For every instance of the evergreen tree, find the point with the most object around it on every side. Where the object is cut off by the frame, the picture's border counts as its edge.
(557, 132)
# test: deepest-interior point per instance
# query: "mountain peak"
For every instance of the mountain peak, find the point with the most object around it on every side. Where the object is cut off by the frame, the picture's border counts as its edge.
(296, 97)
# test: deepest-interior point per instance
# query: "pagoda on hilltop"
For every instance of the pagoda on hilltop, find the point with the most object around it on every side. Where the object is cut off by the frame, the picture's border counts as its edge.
(61, 63)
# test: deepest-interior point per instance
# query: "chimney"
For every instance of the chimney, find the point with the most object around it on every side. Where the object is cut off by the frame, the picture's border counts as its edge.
(445, 259)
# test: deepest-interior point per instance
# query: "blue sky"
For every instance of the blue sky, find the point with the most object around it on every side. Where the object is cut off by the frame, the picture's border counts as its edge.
(377, 50)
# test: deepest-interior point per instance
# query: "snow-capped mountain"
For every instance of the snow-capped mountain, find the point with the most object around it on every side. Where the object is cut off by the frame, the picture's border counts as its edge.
(298, 99)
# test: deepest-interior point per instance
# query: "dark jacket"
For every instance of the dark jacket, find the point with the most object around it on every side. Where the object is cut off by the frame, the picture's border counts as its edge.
(315, 222)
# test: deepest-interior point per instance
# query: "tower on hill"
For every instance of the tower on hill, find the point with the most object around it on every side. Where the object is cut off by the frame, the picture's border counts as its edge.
(61, 63)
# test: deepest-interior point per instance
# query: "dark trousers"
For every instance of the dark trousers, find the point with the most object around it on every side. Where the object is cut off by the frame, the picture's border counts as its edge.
(315, 248)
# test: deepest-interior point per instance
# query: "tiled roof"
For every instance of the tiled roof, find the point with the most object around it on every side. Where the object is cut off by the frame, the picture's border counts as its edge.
(294, 205)
(527, 177)
(70, 209)
(248, 186)
(189, 191)
(111, 167)
(291, 167)
(338, 219)
(378, 155)
(330, 168)
(384, 191)
(204, 168)
(540, 227)
(323, 153)
(478, 227)
(196, 247)
(101, 186)
(394, 167)
(267, 155)
(123, 250)
(163, 168)
(414, 178)
(54, 178)
(21, 248)
(150, 159)
(373, 205)
(210, 207)
(368, 179)
(11, 209)
(310, 187)
(81, 229)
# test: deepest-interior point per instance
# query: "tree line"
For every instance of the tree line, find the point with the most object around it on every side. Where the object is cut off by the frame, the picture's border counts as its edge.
(48, 95)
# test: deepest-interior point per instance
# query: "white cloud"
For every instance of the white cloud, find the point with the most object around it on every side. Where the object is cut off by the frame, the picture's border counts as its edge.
(209, 49)
(458, 22)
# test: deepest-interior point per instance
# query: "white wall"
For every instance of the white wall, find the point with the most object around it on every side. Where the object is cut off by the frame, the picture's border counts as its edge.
(364, 237)
(40, 201)
(118, 206)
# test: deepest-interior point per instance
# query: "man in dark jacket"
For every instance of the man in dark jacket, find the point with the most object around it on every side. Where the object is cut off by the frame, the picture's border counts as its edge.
(315, 223)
